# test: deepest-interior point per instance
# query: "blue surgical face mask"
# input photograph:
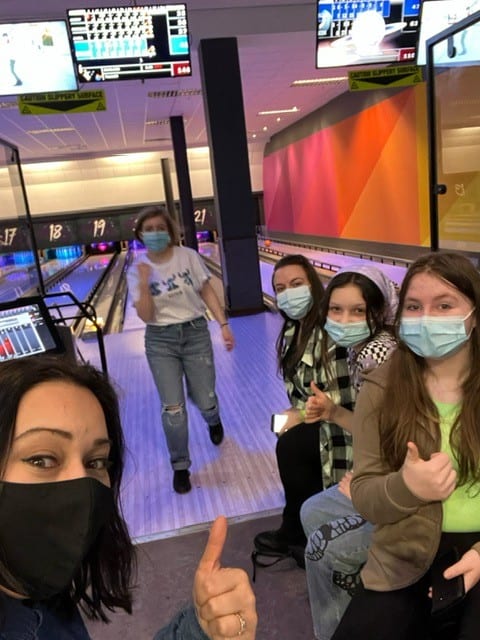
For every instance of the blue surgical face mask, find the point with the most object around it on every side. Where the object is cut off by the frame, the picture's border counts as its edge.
(434, 337)
(296, 302)
(347, 334)
(156, 240)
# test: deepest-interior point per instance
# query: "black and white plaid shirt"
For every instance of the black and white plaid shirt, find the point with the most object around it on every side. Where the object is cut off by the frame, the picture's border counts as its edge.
(335, 443)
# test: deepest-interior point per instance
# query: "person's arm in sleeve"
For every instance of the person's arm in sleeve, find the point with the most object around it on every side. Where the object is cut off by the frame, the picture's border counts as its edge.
(380, 497)
(184, 626)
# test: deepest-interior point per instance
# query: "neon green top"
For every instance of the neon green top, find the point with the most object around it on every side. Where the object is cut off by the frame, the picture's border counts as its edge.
(461, 510)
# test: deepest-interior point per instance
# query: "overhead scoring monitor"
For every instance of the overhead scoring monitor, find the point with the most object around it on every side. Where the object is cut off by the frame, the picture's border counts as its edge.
(366, 32)
(134, 42)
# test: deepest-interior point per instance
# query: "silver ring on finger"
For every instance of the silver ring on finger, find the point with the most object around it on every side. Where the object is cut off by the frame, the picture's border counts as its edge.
(242, 624)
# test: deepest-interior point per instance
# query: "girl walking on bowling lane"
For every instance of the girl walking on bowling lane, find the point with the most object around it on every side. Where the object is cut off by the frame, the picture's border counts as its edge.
(171, 289)
(417, 464)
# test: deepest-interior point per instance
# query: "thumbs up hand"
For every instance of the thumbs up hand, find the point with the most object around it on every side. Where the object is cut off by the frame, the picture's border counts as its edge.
(429, 480)
(319, 406)
(224, 600)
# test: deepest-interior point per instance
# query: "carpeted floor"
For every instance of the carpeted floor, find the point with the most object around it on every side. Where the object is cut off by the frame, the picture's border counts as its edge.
(165, 577)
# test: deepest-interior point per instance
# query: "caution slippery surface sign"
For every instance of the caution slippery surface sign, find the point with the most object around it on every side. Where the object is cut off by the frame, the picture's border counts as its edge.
(383, 78)
(62, 102)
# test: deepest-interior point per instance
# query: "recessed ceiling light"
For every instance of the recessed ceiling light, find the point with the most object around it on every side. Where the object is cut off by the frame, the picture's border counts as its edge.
(274, 112)
(315, 81)
(157, 122)
(36, 132)
(265, 128)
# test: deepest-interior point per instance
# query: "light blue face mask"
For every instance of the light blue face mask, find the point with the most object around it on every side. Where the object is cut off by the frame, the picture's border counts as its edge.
(156, 240)
(434, 337)
(347, 334)
(296, 302)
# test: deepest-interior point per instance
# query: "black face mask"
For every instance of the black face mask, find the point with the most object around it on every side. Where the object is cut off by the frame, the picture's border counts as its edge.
(47, 529)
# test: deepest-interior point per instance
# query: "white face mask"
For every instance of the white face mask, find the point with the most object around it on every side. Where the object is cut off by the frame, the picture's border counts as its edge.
(295, 302)
(347, 334)
(434, 337)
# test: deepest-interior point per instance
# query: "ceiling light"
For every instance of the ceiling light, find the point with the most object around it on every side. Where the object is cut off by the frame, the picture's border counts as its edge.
(36, 132)
(315, 81)
(254, 135)
(174, 93)
(157, 122)
(265, 128)
(274, 112)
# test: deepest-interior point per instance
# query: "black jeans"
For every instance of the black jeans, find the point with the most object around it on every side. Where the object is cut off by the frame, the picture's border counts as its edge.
(404, 614)
(298, 459)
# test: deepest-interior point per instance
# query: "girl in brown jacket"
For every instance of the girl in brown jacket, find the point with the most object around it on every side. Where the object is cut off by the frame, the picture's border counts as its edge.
(417, 465)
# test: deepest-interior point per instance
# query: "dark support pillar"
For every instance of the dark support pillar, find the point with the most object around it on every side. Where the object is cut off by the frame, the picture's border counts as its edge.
(223, 103)
(183, 178)
(167, 188)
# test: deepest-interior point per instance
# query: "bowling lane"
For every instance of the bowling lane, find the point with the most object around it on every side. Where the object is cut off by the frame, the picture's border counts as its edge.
(328, 262)
(21, 280)
(81, 282)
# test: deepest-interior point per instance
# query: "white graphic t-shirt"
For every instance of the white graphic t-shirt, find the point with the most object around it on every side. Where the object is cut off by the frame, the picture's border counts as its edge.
(175, 286)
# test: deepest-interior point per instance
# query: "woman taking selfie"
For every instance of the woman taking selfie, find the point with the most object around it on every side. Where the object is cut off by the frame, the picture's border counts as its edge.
(64, 543)
(417, 465)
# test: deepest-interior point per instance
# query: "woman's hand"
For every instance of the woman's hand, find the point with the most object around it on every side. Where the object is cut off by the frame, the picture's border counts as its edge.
(344, 484)
(224, 600)
(430, 480)
(294, 418)
(144, 273)
(319, 406)
(227, 335)
(468, 566)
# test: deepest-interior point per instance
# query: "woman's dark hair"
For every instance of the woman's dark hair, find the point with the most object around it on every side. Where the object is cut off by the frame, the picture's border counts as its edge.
(153, 211)
(376, 305)
(105, 576)
(418, 419)
(288, 361)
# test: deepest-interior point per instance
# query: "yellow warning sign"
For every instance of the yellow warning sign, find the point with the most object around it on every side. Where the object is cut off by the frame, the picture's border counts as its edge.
(384, 78)
(62, 102)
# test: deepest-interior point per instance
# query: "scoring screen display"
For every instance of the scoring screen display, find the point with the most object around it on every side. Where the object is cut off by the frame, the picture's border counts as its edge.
(366, 32)
(26, 329)
(134, 42)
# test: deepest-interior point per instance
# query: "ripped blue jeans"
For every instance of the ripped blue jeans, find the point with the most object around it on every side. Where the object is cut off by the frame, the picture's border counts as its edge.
(175, 351)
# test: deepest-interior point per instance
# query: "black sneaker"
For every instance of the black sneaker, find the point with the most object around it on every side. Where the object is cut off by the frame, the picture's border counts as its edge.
(181, 480)
(273, 542)
(216, 433)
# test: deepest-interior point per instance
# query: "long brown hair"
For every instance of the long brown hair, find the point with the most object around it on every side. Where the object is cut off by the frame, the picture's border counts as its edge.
(407, 411)
(288, 361)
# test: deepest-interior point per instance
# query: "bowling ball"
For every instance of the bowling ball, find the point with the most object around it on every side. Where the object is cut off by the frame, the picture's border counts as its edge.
(267, 243)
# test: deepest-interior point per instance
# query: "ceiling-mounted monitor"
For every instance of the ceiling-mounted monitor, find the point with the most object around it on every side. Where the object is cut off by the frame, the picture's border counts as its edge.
(366, 32)
(35, 57)
(130, 43)
(438, 15)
